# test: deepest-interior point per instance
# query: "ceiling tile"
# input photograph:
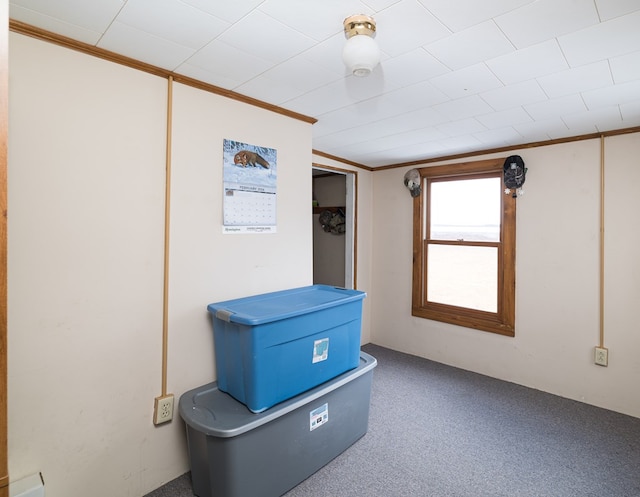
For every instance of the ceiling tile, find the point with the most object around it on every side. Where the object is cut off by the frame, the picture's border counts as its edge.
(467, 81)
(463, 107)
(462, 14)
(414, 136)
(608, 9)
(322, 100)
(419, 135)
(616, 37)
(228, 11)
(379, 5)
(284, 81)
(339, 94)
(556, 107)
(172, 20)
(500, 137)
(266, 38)
(497, 120)
(462, 143)
(231, 63)
(370, 147)
(358, 115)
(403, 154)
(593, 121)
(412, 67)
(577, 127)
(589, 77)
(529, 63)
(405, 26)
(268, 90)
(385, 143)
(461, 127)
(542, 130)
(468, 47)
(422, 119)
(328, 55)
(374, 115)
(54, 25)
(142, 46)
(630, 112)
(626, 67)
(612, 95)
(94, 16)
(515, 95)
(546, 19)
(376, 132)
(416, 96)
(317, 23)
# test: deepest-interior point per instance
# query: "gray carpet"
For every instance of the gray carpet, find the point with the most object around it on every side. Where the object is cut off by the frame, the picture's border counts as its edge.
(435, 430)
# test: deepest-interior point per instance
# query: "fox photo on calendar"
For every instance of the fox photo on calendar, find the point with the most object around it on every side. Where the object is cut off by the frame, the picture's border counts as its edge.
(250, 188)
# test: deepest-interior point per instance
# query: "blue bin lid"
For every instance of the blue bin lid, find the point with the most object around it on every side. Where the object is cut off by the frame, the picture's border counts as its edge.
(274, 306)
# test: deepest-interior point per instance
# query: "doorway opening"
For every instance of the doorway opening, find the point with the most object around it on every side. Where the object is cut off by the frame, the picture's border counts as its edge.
(334, 244)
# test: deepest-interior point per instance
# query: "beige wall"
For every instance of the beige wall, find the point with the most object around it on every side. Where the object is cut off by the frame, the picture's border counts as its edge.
(557, 281)
(86, 204)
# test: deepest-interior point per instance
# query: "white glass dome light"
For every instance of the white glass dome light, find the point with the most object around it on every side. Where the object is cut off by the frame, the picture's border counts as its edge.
(361, 53)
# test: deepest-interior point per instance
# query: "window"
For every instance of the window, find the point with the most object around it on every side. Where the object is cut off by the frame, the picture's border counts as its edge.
(464, 247)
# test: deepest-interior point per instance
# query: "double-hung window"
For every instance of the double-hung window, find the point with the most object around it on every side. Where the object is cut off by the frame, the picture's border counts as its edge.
(464, 247)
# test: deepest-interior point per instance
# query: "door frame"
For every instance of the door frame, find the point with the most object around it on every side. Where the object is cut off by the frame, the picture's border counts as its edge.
(351, 222)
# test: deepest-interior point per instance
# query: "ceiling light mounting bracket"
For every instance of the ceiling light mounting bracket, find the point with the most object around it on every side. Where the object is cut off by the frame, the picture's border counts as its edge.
(359, 25)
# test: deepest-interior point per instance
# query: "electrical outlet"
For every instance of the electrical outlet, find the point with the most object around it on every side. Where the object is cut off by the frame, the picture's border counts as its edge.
(163, 409)
(602, 356)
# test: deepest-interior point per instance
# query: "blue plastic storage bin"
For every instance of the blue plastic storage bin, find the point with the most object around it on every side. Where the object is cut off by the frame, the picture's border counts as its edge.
(274, 346)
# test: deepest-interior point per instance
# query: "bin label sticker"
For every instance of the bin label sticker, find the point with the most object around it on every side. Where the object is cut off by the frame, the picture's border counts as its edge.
(318, 417)
(320, 350)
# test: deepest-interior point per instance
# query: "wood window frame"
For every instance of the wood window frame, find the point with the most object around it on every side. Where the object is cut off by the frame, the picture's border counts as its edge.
(501, 322)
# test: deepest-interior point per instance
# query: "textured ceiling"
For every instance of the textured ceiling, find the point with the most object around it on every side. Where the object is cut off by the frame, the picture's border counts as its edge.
(457, 76)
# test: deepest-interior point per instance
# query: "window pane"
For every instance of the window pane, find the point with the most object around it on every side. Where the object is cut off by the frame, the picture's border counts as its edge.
(463, 276)
(466, 209)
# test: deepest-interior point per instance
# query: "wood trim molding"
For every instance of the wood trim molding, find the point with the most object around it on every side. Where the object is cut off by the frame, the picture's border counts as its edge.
(63, 41)
(339, 159)
(511, 148)
(4, 125)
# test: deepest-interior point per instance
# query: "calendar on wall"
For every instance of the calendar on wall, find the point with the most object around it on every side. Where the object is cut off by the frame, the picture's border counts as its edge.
(250, 190)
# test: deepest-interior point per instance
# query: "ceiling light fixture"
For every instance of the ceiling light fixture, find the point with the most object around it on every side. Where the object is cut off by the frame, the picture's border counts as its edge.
(361, 53)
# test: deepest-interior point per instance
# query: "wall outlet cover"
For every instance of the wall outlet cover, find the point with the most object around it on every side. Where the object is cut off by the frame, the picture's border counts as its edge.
(163, 409)
(601, 356)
